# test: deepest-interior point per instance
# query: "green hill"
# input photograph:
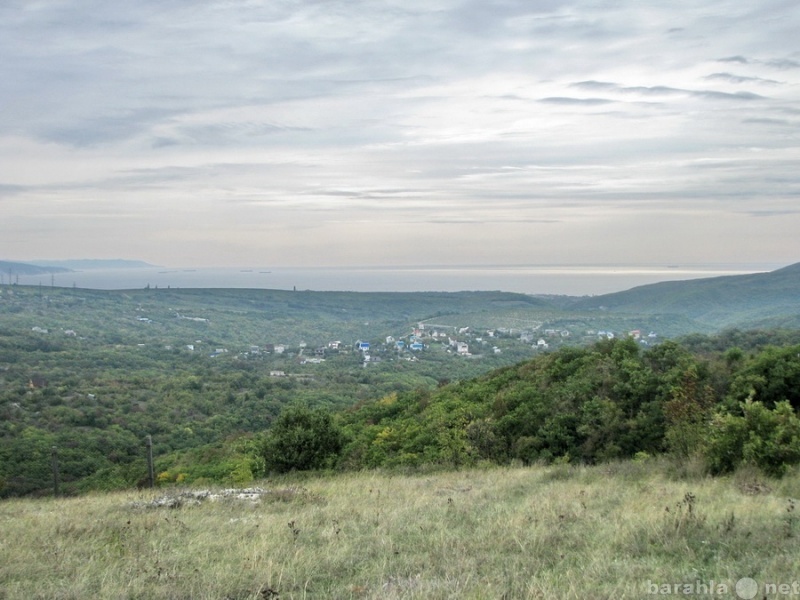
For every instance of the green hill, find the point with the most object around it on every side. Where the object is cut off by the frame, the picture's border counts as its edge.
(757, 300)
(17, 268)
(202, 371)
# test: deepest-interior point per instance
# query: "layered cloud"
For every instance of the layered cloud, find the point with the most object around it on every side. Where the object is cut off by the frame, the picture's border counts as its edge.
(373, 132)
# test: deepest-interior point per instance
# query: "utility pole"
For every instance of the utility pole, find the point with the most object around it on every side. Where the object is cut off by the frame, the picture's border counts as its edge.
(151, 474)
(54, 464)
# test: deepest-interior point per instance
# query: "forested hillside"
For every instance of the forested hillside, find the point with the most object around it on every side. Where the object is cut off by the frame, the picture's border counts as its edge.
(389, 379)
(587, 405)
(761, 300)
(92, 373)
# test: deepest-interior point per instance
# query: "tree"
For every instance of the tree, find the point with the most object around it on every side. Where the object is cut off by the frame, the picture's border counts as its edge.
(688, 411)
(768, 439)
(302, 439)
(771, 377)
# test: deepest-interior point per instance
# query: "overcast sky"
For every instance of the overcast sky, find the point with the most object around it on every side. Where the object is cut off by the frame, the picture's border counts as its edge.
(400, 132)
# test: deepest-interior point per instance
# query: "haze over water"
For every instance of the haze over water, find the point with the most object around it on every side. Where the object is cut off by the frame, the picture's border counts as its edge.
(528, 279)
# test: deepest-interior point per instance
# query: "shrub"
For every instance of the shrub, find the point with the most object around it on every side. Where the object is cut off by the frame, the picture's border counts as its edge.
(767, 439)
(302, 439)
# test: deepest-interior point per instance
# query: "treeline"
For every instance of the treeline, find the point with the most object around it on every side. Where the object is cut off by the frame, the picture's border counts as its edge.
(613, 400)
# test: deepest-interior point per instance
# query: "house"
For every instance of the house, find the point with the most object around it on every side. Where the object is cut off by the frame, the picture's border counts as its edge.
(542, 344)
(389, 339)
(417, 346)
(362, 346)
(280, 349)
(277, 374)
(334, 345)
(312, 361)
(462, 348)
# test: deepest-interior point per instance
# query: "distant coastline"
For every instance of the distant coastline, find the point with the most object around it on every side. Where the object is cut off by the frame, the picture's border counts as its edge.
(91, 263)
(573, 280)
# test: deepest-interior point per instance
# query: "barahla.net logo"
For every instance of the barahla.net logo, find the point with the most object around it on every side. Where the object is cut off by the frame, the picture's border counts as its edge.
(746, 588)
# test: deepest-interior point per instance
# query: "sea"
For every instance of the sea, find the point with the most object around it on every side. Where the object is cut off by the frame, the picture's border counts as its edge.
(569, 280)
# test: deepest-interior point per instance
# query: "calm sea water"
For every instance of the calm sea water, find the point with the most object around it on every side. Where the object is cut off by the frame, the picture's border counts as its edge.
(532, 279)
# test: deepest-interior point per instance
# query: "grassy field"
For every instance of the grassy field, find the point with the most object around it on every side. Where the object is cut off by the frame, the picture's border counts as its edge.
(624, 530)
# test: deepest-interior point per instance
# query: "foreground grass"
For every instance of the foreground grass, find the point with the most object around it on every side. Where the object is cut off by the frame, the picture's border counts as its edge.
(616, 531)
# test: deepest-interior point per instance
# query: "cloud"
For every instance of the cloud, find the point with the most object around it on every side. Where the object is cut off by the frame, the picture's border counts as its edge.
(734, 59)
(772, 213)
(576, 101)
(661, 90)
(729, 77)
(768, 121)
(783, 63)
(11, 190)
(213, 131)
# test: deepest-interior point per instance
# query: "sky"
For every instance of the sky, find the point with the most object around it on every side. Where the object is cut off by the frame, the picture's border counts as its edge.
(400, 132)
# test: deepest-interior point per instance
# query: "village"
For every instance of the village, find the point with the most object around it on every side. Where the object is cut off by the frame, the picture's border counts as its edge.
(424, 339)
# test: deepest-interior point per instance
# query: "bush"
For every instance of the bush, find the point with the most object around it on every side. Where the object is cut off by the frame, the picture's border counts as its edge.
(301, 440)
(767, 439)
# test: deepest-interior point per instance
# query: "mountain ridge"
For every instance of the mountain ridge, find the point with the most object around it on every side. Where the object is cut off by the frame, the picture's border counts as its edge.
(755, 299)
(20, 268)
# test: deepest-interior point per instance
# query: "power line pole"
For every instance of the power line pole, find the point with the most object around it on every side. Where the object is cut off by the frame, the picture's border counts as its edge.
(54, 464)
(151, 474)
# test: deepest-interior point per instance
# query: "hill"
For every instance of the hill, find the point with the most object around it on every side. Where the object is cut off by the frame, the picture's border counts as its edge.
(18, 268)
(87, 263)
(94, 372)
(746, 301)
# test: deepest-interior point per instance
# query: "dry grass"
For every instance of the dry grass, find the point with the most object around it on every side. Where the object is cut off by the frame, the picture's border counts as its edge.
(544, 532)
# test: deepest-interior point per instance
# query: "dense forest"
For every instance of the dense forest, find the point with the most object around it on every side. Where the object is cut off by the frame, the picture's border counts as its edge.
(609, 401)
(726, 400)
